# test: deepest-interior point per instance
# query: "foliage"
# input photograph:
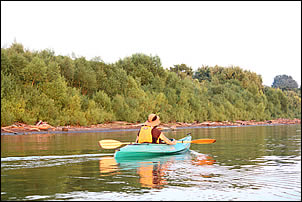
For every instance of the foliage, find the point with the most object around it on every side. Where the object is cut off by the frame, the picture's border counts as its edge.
(284, 82)
(38, 85)
(182, 70)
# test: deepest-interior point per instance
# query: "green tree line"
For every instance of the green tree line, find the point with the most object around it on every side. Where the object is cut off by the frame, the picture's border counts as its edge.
(38, 85)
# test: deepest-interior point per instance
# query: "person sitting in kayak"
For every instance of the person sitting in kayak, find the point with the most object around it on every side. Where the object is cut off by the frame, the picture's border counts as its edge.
(149, 133)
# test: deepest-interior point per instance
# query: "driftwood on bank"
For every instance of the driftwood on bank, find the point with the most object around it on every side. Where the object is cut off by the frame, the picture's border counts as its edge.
(21, 127)
(44, 126)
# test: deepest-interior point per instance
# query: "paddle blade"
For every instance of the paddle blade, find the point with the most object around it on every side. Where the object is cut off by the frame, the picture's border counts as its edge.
(109, 144)
(203, 141)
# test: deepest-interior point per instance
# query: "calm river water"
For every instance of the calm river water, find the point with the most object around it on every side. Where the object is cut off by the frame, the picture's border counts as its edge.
(256, 163)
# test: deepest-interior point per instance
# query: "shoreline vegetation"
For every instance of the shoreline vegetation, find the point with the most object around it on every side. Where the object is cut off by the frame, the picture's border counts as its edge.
(70, 93)
(45, 127)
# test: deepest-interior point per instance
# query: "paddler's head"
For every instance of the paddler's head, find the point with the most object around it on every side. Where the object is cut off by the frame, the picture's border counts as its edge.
(153, 120)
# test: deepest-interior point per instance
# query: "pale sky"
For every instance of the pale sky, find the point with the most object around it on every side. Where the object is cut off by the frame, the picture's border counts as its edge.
(263, 37)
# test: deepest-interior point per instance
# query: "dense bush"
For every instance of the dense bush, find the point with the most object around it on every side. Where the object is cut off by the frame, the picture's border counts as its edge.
(74, 91)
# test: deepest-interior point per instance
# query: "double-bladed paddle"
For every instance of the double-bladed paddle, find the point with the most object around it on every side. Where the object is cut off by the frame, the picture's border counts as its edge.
(112, 144)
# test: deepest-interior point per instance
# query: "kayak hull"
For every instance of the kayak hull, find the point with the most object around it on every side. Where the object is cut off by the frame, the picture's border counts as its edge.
(150, 150)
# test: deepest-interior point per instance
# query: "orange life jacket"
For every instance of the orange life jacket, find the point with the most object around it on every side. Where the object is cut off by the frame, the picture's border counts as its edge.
(145, 135)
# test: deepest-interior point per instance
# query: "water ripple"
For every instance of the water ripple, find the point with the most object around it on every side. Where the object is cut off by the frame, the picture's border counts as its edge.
(46, 161)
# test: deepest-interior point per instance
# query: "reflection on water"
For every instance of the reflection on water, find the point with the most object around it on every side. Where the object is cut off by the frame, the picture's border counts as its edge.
(108, 166)
(153, 172)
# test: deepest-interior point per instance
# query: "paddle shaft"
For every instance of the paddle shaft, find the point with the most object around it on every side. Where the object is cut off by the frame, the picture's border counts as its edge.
(184, 141)
(199, 141)
(111, 144)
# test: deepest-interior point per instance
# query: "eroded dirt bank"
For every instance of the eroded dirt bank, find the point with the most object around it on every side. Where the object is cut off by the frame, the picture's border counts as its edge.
(44, 127)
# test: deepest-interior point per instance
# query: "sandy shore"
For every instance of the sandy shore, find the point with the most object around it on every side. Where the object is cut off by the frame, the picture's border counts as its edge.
(44, 127)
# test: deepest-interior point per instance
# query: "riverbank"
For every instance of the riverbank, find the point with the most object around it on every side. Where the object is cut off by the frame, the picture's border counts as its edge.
(44, 127)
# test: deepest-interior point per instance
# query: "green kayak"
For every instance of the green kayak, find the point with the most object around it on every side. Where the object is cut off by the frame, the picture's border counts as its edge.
(150, 149)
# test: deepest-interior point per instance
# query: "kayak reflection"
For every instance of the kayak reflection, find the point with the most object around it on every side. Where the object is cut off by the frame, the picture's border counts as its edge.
(153, 172)
(202, 159)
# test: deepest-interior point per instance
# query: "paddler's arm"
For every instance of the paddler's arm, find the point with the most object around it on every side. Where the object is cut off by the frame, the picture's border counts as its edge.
(167, 141)
(136, 141)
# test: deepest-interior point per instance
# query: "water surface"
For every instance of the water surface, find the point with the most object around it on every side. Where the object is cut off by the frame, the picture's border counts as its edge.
(246, 163)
